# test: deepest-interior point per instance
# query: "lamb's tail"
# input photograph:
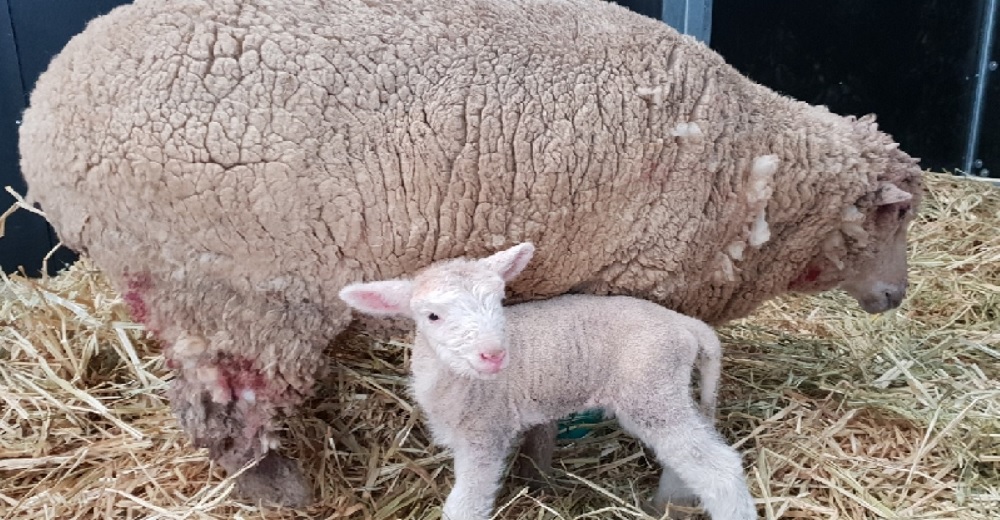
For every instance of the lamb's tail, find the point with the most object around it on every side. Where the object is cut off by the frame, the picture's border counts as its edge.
(709, 368)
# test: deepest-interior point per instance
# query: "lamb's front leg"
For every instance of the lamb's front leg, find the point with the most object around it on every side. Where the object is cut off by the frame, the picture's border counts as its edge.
(479, 464)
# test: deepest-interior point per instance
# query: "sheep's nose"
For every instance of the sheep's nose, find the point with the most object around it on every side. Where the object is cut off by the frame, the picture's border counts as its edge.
(494, 356)
(894, 298)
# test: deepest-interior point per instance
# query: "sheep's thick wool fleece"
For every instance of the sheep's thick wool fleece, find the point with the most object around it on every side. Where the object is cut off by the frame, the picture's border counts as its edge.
(231, 164)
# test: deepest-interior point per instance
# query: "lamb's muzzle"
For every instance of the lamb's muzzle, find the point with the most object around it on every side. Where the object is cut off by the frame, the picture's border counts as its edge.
(493, 359)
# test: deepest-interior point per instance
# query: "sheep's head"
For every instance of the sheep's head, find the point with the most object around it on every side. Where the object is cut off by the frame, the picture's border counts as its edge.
(878, 280)
(456, 305)
(873, 267)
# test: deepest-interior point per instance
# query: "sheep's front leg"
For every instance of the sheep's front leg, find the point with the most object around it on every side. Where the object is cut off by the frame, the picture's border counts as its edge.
(479, 464)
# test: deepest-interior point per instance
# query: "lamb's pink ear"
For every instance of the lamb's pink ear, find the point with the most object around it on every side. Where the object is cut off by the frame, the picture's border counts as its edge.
(384, 298)
(510, 262)
(889, 193)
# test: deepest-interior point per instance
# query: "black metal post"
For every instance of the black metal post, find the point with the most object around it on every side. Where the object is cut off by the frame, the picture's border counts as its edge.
(986, 65)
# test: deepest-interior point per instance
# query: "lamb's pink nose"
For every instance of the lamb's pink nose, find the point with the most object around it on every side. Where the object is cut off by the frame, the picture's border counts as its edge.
(494, 358)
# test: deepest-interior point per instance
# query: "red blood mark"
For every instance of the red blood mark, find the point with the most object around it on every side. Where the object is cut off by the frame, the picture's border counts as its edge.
(238, 374)
(811, 274)
(136, 286)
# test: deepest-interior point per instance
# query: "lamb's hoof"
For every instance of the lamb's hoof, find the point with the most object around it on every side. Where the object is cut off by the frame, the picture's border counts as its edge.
(275, 480)
(536, 479)
(680, 508)
(534, 485)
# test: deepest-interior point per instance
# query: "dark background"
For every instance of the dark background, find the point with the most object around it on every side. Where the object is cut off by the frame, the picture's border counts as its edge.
(31, 32)
(911, 62)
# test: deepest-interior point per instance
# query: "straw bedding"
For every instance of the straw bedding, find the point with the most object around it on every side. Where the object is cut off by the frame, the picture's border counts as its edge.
(839, 415)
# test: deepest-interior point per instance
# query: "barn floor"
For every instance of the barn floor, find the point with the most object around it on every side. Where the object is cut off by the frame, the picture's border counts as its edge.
(839, 415)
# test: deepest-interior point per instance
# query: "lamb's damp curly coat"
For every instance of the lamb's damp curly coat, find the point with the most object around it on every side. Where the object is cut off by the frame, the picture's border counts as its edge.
(231, 164)
(483, 373)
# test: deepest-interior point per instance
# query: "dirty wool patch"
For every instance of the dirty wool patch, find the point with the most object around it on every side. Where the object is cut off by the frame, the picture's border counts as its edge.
(839, 415)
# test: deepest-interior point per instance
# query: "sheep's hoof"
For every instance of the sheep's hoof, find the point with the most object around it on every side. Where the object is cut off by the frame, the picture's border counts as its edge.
(275, 480)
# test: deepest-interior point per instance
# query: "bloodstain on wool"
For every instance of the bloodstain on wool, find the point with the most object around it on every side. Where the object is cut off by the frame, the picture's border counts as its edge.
(810, 275)
(238, 375)
(136, 285)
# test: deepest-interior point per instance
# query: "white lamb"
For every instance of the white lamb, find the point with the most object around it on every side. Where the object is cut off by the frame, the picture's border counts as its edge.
(483, 374)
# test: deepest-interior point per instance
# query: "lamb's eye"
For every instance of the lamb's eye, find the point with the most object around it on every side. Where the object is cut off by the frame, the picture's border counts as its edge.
(433, 317)
(903, 210)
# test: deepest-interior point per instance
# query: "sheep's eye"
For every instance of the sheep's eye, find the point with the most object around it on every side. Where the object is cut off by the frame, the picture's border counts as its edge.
(433, 317)
(903, 210)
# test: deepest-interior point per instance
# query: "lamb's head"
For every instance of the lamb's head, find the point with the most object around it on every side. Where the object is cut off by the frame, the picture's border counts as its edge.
(457, 306)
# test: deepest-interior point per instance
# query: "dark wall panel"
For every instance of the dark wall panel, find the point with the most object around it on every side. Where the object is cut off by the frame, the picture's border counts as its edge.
(912, 63)
(31, 33)
(26, 236)
(650, 8)
(44, 26)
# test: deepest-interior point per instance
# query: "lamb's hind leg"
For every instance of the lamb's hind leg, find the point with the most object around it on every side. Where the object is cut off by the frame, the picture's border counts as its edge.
(701, 462)
(534, 461)
(674, 491)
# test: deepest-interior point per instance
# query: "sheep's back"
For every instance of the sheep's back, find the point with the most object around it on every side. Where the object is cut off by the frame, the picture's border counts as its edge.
(255, 139)
(292, 147)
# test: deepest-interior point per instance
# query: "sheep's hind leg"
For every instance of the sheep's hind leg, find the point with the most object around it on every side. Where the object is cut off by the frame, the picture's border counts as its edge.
(237, 433)
(479, 464)
(701, 461)
(239, 358)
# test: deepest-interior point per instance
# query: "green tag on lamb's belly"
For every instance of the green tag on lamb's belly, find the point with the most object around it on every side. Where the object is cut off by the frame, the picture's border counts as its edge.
(578, 425)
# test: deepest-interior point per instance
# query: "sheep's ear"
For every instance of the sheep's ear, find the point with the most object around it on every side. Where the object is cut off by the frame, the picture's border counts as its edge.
(384, 298)
(889, 193)
(510, 262)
